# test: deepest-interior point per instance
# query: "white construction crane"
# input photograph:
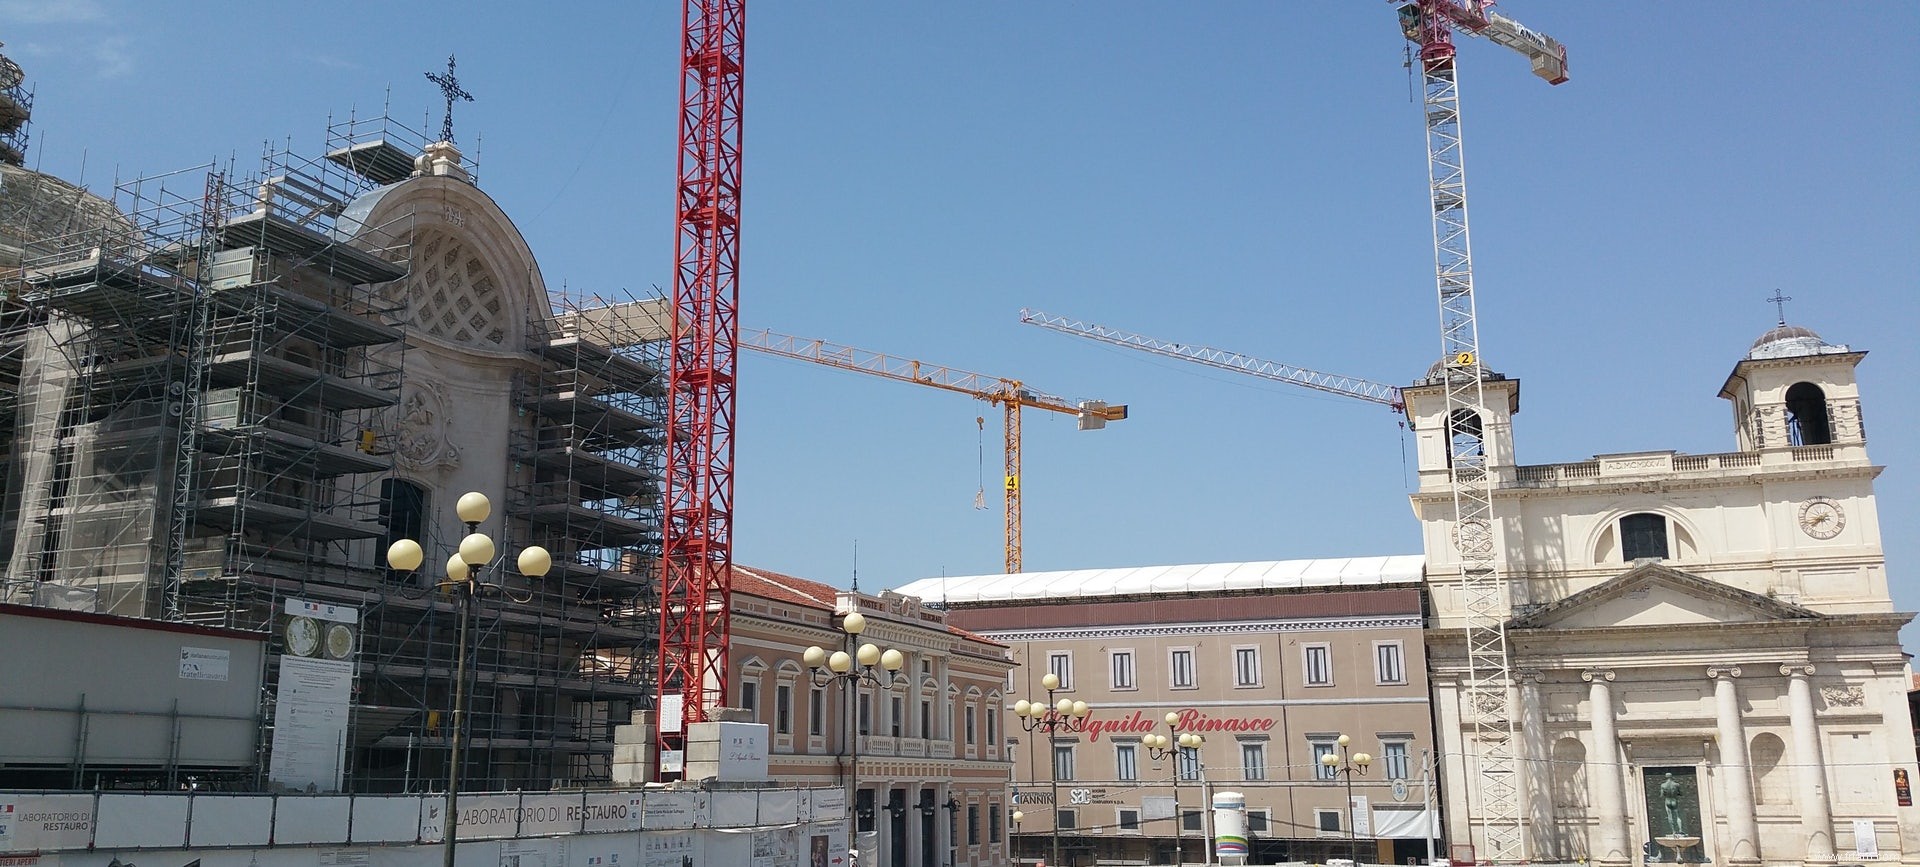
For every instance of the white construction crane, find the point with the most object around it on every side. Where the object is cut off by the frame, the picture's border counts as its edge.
(1497, 802)
(1331, 383)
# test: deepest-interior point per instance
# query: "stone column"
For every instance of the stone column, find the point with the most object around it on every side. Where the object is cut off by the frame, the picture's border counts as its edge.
(1536, 753)
(1743, 828)
(1816, 811)
(1609, 784)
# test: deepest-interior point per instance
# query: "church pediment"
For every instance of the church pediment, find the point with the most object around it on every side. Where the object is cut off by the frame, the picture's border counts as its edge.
(1654, 595)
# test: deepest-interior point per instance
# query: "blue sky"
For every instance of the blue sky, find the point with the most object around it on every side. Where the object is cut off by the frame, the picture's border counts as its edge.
(1244, 175)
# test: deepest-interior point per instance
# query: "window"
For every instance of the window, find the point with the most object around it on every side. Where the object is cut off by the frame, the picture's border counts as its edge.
(866, 714)
(1063, 761)
(1807, 421)
(973, 824)
(1189, 763)
(1320, 771)
(1464, 439)
(1180, 660)
(1060, 665)
(1642, 536)
(1319, 664)
(403, 509)
(817, 713)
(1253, 760)
(1126, 762)
(1122, 664)
(1067, 818)
(970, 716)
(1246, 666)
(750, 698)
(926, 718)
(1129, 819)
(1328, 821)
(1256, 821)
(993, 823)
(863, 801)
(1393, 758)
(1389, 663)
(783, 709)
(1190, 820)
(898, 719)
(993, 735)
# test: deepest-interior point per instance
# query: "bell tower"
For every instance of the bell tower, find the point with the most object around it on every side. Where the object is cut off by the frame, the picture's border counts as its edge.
(1426, 409)
(1794, 391)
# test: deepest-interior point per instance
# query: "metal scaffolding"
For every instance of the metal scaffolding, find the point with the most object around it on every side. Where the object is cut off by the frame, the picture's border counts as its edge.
(202, 389)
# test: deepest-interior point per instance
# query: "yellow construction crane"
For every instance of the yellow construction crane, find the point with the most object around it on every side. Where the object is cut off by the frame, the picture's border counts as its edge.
(1009, 394)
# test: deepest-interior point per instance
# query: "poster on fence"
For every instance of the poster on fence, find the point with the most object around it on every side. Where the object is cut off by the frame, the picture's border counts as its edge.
(775, 848)
(666, 848)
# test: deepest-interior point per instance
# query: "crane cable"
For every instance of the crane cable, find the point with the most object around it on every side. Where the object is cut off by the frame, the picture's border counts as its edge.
(980, 456)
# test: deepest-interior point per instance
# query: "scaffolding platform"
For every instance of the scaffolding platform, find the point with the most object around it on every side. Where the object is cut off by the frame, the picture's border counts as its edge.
(289, 379)
(289, 238)
(379, 161)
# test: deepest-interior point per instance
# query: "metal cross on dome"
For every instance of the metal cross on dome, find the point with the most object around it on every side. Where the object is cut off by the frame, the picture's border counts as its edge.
(450, 87)
(1780, 301)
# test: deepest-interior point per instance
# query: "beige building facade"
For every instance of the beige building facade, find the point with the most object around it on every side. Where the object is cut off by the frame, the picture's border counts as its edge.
(1269, 662)
(1703, 647)
(932, 784)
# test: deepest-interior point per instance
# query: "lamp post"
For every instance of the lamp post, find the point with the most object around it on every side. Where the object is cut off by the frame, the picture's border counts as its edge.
(464, 569)
(1053, 717)
(1160, 746)
(1346, 765)
(1013, 832)
(850, 670)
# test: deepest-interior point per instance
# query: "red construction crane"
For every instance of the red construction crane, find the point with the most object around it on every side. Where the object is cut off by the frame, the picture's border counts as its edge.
(697, 523)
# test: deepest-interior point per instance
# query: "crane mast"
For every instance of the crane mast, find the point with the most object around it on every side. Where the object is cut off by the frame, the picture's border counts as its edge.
(697, 524)
(1009, 394)
(1331, 383)
(1486, 703)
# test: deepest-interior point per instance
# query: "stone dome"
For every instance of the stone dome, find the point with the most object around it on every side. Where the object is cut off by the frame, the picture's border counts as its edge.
(1790, 341)
(36, 207)
(1436, 374)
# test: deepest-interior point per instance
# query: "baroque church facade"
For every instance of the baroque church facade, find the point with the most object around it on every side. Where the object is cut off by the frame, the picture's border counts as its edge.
(1705, 659)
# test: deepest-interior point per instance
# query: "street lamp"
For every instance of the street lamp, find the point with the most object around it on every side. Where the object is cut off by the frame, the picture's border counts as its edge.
(850, 670)
(1346, 765)
(1053, 716)
(464, 568)
(1160, 746)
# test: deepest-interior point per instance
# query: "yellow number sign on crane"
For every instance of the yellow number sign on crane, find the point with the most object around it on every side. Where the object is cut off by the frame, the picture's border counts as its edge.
(1009, 394)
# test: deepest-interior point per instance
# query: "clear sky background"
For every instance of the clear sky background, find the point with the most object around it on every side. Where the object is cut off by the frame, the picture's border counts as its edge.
(1250, 176)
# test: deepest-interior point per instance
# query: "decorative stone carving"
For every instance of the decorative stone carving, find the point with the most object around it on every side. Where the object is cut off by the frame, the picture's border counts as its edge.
(452, 294)
(1799, 669)
(1843, 696)
(422, 442)
(1602, 673)
(1715, 672)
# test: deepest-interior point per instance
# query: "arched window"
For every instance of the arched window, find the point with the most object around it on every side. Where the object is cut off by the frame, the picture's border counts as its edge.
(1464, 438)
(1770, 783)
(1642, 536)
(1807, 423)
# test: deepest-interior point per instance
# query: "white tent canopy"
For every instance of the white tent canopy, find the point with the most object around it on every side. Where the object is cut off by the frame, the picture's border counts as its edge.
(1172, 580)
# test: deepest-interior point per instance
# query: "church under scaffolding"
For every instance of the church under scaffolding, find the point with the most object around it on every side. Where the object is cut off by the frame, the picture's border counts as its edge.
(224, 390)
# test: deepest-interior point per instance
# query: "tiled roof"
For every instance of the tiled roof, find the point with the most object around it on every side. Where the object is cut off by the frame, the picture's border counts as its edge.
(783, 588)
(766, 584)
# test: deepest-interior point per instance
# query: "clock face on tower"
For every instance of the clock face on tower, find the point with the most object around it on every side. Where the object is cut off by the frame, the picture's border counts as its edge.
(1822, 518)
